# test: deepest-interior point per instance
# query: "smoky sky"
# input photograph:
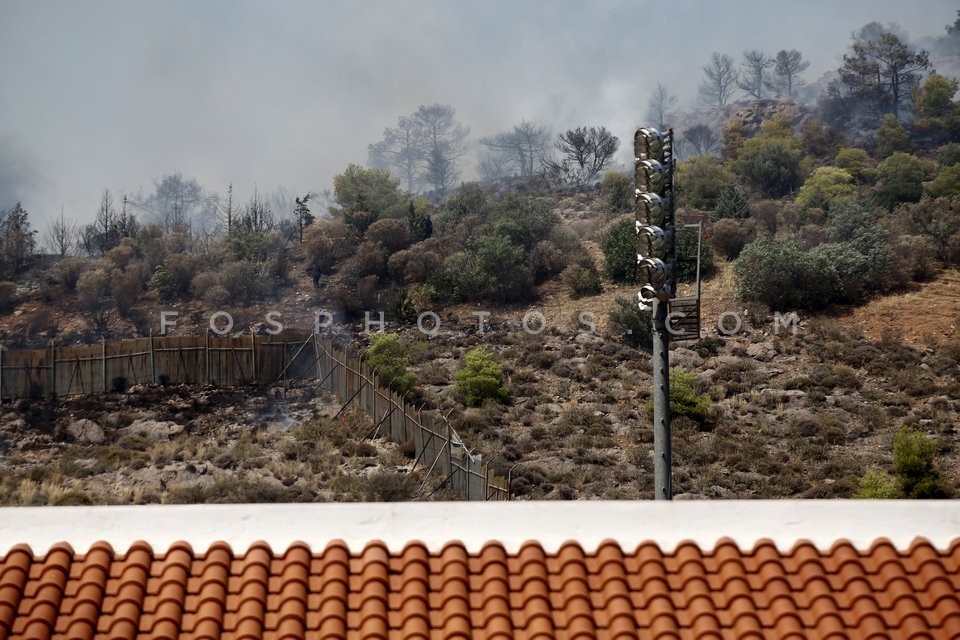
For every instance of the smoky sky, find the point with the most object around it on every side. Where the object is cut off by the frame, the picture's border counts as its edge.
(114, 94)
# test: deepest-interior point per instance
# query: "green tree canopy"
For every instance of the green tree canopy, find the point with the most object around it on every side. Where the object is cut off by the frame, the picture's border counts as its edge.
(700, 180)
(901, 179)
(771, 162)
(363, 196)
(827, 186)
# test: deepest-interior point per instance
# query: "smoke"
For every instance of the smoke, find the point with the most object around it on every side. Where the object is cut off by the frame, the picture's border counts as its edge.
(116, 94)
(18, 174)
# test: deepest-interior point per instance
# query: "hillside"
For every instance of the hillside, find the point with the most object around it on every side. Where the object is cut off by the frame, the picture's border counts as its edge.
(800, 415)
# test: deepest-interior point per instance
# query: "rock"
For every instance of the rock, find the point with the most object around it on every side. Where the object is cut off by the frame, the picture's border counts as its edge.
(685, 358)
(116, 419)
(86, 431)
(762, 351)
(17, 424)
(154, 430)
(585, 337)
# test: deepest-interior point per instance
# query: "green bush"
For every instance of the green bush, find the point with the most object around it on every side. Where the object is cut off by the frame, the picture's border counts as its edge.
(525, 221)
(827, 186)
(731, 203)
(390, 357)
(854, 161)
(618, 189)
(620, 251)
(729, 236)
(913, 454)
(683, 400)
(582, 280)
(630, 323)
(700, 181)
(877, 485)
(947, 182)
(481, 379)
(163, 284)
(901, 180)
(782, 276)
(891, 138)
(366, 195)
(492, 268)
(771, 166)
(949, 154)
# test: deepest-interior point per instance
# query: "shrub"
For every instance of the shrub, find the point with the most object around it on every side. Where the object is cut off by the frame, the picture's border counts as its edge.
(492, 267)
(901, 177)
(202, 282)
(782, 276)
(630, 323)
(891, 138)
(68, 271)
(525, 221)
(731, 203)
(825, 187)
(468, 200)
(582, 280)
(416, 264)
(481, 379)
(949, 154)
(729, 236)
(370, 259)
(684, 402)
(618, 189)
(125, 287)
(242, 281)
(855, 162)
(216, 296)
(390, 486)
(947, 182)
(328, 242)
(7, 291)
(913, 453)
(770, 166)
(547, 259)
(620, 251)
(390, 358)
(248, 244)
(392, 235)
(700, 180)
(876, 485)
(365, 195)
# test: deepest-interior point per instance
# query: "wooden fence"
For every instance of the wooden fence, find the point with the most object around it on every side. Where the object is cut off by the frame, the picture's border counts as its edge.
(235, 361)
(436, 445)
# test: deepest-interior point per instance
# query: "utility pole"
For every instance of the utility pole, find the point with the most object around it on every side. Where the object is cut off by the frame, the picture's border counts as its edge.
(656, 257)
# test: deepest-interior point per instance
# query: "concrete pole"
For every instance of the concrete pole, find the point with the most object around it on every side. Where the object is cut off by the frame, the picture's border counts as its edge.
(662, 453)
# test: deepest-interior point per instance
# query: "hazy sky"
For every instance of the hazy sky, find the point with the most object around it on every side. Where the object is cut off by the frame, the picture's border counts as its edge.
(287, 92)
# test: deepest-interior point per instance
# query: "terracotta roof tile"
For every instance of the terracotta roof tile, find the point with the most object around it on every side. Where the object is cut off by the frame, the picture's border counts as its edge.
(375, 594)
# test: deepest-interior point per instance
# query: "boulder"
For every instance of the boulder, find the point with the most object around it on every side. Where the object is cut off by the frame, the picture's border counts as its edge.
(154, 430)
(86, 431)
(762, 351)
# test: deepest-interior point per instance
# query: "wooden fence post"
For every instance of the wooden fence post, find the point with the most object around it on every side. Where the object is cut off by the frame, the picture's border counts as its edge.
(253, 351)
(153, 360)
(103, 361)
(207, 349)
(53, 369)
